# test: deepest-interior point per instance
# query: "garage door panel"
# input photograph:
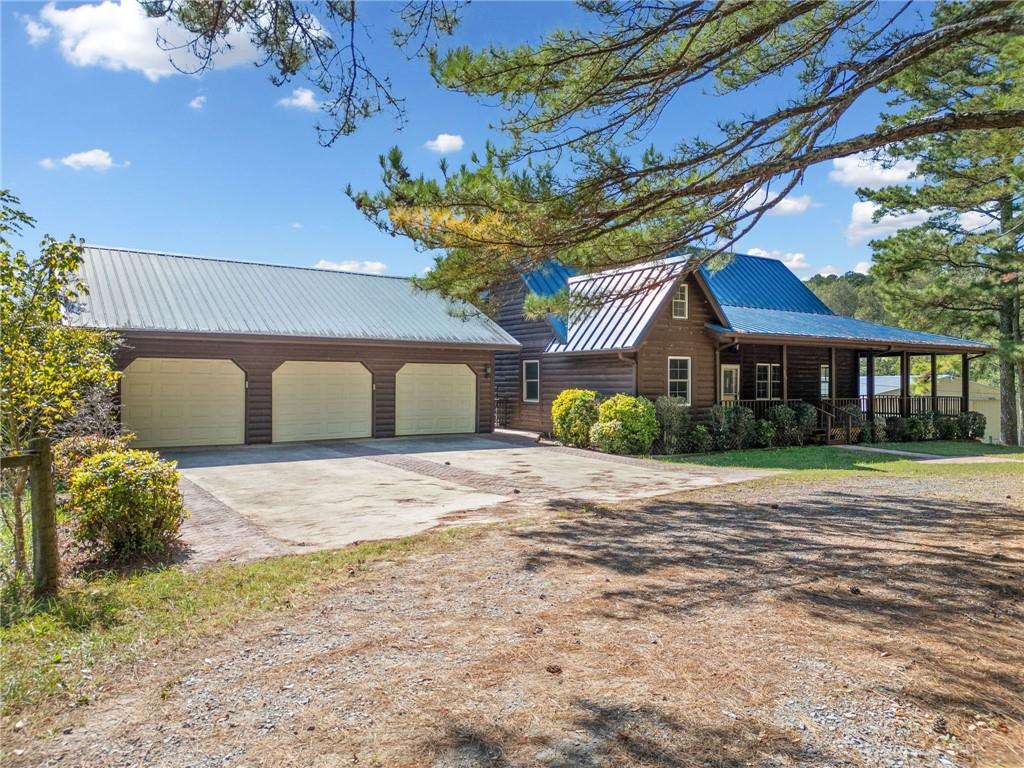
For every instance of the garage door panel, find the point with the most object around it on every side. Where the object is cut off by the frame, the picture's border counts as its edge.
(321, 401)
(183, 401)
(435, 398)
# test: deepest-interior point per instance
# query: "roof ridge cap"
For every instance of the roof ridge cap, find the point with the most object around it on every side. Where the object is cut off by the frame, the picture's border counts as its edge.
(222, 260)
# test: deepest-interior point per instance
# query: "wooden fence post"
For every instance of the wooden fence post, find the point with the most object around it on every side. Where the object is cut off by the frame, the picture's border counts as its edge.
(45, 569)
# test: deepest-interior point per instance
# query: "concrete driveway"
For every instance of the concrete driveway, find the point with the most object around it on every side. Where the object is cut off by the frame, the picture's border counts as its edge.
(256, 501)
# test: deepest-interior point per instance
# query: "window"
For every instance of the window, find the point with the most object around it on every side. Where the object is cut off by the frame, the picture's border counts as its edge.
(681, 302)
(679, 378)
(531, 381)
(768, 381)
(825, 380)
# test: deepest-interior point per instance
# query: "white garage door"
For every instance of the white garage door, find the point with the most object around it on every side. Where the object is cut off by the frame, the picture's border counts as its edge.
(434, 399)
(171, 401)
(321, 401)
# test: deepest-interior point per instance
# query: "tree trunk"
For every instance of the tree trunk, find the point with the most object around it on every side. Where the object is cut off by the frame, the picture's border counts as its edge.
(1007, 378)
(1009, 336)
(18, 530)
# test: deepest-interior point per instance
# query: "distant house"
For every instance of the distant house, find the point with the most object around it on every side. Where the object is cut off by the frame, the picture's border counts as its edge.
(984, 398)
(749, 333)
(226, 352)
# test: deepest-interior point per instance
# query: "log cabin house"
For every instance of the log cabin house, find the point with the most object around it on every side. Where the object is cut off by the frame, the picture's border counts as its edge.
(749, 333)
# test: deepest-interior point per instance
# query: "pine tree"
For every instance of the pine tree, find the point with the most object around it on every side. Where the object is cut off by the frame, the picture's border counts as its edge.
(960, 271)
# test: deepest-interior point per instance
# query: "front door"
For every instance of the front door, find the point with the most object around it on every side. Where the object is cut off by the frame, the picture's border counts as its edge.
(730, 388)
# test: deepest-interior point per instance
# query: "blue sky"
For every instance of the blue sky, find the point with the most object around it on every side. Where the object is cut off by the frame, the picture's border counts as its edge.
(100, 138)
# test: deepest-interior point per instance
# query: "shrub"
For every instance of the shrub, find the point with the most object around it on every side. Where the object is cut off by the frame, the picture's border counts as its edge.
(732, 426)
(72, 451)
(921, 427)
(787, 432)
(637, 419)
(573, 413)
(609, 436)
(897, 429)
(673, 416)
(947, 427)
(873, 431)
(698, 439)
(126, 503)
(972, 425)
(764, 434)
(806, 416)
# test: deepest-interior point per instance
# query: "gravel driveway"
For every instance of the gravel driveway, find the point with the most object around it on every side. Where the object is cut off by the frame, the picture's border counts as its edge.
(873, 622)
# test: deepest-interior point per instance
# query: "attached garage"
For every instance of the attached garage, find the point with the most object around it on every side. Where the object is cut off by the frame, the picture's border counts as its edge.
(183, 401)
(220, 352)
(321, 401)
(435, 399)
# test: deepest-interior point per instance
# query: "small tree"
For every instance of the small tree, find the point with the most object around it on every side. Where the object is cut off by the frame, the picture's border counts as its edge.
(49, 367)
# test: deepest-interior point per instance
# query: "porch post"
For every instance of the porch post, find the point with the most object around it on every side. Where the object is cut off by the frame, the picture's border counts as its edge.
(904, 383)
(935, 384)
(871, 387)
(832, 373)
(718, 372)
(965, 384)
(785, 375)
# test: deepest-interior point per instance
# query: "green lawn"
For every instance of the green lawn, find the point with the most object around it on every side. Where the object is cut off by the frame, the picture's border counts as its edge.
(956, 448)
(64, 647)
(824, 462)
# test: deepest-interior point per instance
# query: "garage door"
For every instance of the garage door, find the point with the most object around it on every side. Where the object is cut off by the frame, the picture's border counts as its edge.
(321, 401)
(170, 401)
(434, 399)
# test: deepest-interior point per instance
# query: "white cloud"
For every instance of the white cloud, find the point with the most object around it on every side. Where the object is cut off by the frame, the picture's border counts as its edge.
(296, 225)
(861, 170)
(863, 227)
(37, 33)
(787, 206)
(445, 143)
(197, 103)
(301, 98)
(93, 159)
(976, 221)
(863, 267)
(793, 260)
(120, 36)
(369, 267)
(828, 270)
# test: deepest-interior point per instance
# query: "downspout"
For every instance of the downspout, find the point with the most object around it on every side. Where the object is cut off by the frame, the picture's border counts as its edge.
(632, 362)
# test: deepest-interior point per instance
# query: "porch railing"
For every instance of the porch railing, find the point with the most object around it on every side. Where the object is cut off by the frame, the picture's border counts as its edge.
(889, 406)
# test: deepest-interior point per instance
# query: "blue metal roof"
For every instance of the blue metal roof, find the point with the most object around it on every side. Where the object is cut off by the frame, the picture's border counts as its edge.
(146, 291)
(754, 281)
(773, 322)
(548, 279)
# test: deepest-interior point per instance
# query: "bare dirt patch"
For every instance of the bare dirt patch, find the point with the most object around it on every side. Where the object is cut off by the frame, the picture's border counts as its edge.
(876, 621)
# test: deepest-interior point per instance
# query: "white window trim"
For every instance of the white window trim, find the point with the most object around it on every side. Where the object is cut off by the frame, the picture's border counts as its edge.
(686, 301)
(689, 378)
(525, 398)
(825, 367)
(769, 366)
(721, 379)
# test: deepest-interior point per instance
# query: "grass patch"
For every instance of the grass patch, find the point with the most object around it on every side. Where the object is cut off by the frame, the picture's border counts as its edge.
(61, 648)
(955, 448)
(825, 462)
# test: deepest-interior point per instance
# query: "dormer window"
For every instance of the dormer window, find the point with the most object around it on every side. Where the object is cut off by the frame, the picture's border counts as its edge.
(681, 302)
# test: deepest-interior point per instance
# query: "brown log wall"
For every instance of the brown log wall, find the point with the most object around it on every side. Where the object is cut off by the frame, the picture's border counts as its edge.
(259, 358)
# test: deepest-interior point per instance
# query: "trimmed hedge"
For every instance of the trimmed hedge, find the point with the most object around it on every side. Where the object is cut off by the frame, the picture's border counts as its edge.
(573, 414)
(673, 414)
(126, 503)
(639, 424)
(732, 427)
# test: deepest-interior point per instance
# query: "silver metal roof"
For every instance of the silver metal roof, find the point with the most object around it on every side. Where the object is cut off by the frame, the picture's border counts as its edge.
(629, 300)
(145, 291)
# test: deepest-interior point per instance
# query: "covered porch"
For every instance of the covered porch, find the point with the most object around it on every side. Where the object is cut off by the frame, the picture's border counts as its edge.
(836, 379)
